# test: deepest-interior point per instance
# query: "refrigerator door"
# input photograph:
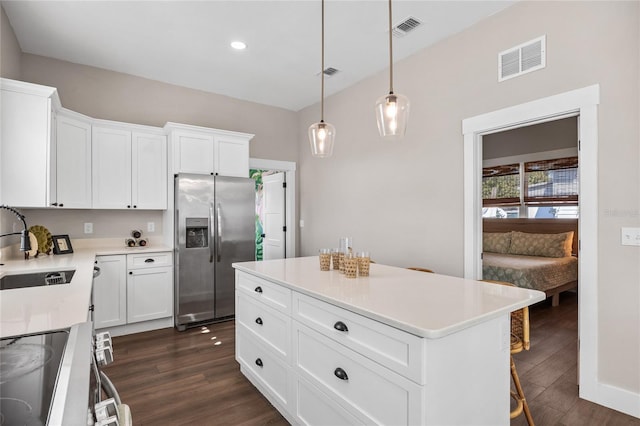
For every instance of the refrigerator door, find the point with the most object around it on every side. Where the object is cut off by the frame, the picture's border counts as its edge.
(235, 236)
(194, 249)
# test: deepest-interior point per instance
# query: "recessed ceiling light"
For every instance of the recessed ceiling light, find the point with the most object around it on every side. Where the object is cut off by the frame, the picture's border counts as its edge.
(238, 45)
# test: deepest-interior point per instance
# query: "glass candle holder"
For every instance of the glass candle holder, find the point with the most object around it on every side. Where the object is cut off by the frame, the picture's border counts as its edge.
(350, 265)
(325, 259)
(364, 262)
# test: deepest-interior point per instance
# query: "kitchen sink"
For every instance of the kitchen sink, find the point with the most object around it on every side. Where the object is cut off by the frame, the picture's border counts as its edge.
(36, 279)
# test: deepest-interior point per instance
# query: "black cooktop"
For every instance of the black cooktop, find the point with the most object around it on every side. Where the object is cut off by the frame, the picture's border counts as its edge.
(29, 367)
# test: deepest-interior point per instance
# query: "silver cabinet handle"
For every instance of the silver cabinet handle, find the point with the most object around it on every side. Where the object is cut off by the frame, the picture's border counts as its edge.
(219, 240)
(211, 232)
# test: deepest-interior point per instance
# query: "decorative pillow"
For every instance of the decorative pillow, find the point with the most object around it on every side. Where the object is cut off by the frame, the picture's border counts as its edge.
(547, 245)
(496, 242)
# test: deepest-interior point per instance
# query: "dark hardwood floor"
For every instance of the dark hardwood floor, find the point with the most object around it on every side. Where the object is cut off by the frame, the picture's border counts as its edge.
(549, 371)
(191, 378)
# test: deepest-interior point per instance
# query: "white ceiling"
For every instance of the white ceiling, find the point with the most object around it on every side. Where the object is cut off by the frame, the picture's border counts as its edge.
(186, 43)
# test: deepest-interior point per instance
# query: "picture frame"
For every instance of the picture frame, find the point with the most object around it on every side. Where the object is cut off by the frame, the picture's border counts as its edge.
(62, 244)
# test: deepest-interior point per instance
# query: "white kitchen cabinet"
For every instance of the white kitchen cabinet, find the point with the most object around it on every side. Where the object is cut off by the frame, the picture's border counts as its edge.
(149, 286)
(148, 171)
(110, 291)
(129, 169)
(201, 150)
(73, 162)
(111, 168)
(28, 148)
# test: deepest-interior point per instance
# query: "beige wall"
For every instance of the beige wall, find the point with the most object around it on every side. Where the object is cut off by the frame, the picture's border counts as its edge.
(111, 95)
(10, 51)
(404, 201)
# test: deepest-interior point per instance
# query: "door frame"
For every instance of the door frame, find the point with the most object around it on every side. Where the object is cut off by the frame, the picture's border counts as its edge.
(584, 103)
(289, 169)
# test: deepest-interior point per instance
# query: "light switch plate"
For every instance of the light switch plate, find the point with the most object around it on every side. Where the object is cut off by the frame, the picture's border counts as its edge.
(88, 228)
(630, 236)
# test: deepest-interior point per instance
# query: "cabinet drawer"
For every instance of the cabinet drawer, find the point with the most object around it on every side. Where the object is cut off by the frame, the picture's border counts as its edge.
(265, 323)
(267, 292)
(400, 351)
(149, 260)
(262, 364)
(315, 408)
(376, 393)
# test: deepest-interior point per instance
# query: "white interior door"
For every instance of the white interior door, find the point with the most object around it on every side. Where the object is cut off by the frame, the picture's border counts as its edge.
(273, 243)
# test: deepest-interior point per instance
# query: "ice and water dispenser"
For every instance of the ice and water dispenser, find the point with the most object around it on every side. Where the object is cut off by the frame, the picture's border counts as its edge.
(197, 232)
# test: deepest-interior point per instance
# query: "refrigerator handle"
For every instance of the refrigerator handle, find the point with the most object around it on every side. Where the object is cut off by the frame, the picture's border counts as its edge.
(219, 240)
(211, 232)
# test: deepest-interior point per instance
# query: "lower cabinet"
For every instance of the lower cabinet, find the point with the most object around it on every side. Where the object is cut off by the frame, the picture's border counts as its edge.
(132, 289)
(322, 364)
(110, 291)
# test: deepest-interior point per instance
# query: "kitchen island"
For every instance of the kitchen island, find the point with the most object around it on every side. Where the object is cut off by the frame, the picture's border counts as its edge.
(397, 347)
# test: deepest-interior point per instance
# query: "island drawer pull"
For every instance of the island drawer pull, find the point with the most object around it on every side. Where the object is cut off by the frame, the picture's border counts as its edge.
(341, 374)
(259, 321)
(149, 260)
(340, 326)
(259, 362)
(258, 289)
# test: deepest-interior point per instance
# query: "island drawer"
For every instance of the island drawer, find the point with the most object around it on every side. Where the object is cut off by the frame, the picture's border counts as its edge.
(313, 407)
(375, 393)
(398, 350)
(149, 260)
(272, 373)
(271, 294)
(273, 328)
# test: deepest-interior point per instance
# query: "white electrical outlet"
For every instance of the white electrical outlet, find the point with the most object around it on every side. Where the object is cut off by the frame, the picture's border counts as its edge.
(630, 236)
(151, 226)
(88, 228)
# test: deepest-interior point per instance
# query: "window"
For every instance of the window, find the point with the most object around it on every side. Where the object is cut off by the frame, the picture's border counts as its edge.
(534, 189)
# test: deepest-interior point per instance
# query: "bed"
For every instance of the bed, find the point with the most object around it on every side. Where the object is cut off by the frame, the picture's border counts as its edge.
(538, 254)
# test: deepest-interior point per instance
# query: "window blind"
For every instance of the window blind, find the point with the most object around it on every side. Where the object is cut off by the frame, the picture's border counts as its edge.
(501, 185)
(551, 181)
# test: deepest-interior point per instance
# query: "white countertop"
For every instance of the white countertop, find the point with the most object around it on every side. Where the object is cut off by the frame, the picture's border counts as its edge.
(424, 304)
(42, 308)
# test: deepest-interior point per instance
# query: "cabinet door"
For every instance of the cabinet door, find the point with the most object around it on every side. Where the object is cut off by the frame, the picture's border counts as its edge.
(27, 152)
(231, 156)
(111, 168)
(149, 171)
(149, 294)
(194, 153)
(110, 292)
(73, 163)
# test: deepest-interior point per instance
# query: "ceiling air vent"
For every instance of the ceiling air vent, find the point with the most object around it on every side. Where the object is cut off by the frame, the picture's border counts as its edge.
(406, 26)
(527, 57)
(329, 72)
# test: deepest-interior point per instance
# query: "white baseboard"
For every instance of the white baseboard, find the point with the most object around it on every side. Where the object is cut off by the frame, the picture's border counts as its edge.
(616, 398)
(139, 327)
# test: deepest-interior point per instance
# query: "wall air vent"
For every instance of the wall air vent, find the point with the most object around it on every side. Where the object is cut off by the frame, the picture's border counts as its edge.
(522, 59)
(406, 26)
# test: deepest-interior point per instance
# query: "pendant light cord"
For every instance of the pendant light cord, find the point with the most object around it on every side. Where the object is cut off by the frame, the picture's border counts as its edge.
(322, 71)
(390, 51)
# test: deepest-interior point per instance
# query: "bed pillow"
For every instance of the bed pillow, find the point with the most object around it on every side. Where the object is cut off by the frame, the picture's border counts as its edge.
(496, 242)
(546, 245)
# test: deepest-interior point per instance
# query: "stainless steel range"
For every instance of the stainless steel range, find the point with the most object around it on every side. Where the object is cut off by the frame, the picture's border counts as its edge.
(45, 378)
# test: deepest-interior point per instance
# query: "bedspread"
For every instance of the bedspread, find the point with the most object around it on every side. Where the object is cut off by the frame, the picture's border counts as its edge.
(533, 272)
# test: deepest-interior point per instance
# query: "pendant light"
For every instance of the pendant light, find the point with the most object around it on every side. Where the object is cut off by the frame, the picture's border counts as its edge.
(322, 135)
(392, 110)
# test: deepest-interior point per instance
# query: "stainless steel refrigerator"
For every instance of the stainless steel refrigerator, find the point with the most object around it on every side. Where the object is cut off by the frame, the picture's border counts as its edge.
(214, 226)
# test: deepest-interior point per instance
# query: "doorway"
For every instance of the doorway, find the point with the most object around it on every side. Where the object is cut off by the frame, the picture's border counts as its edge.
(275, 208)
(583, 103)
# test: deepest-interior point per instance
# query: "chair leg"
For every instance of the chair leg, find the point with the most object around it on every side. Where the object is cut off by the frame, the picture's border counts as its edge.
(520, 392)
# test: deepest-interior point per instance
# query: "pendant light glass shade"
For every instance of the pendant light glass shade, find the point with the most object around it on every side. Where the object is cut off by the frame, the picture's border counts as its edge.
(392, 114)
(392, 110)
(321, 137)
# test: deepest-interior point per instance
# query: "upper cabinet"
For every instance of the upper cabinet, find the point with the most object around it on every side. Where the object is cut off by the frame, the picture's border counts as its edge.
(129, 169)
(28, 148)
(73, 161)
(201, 150)
(54, 157)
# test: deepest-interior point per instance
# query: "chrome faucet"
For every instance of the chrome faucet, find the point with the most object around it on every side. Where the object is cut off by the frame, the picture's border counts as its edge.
(25, 244)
